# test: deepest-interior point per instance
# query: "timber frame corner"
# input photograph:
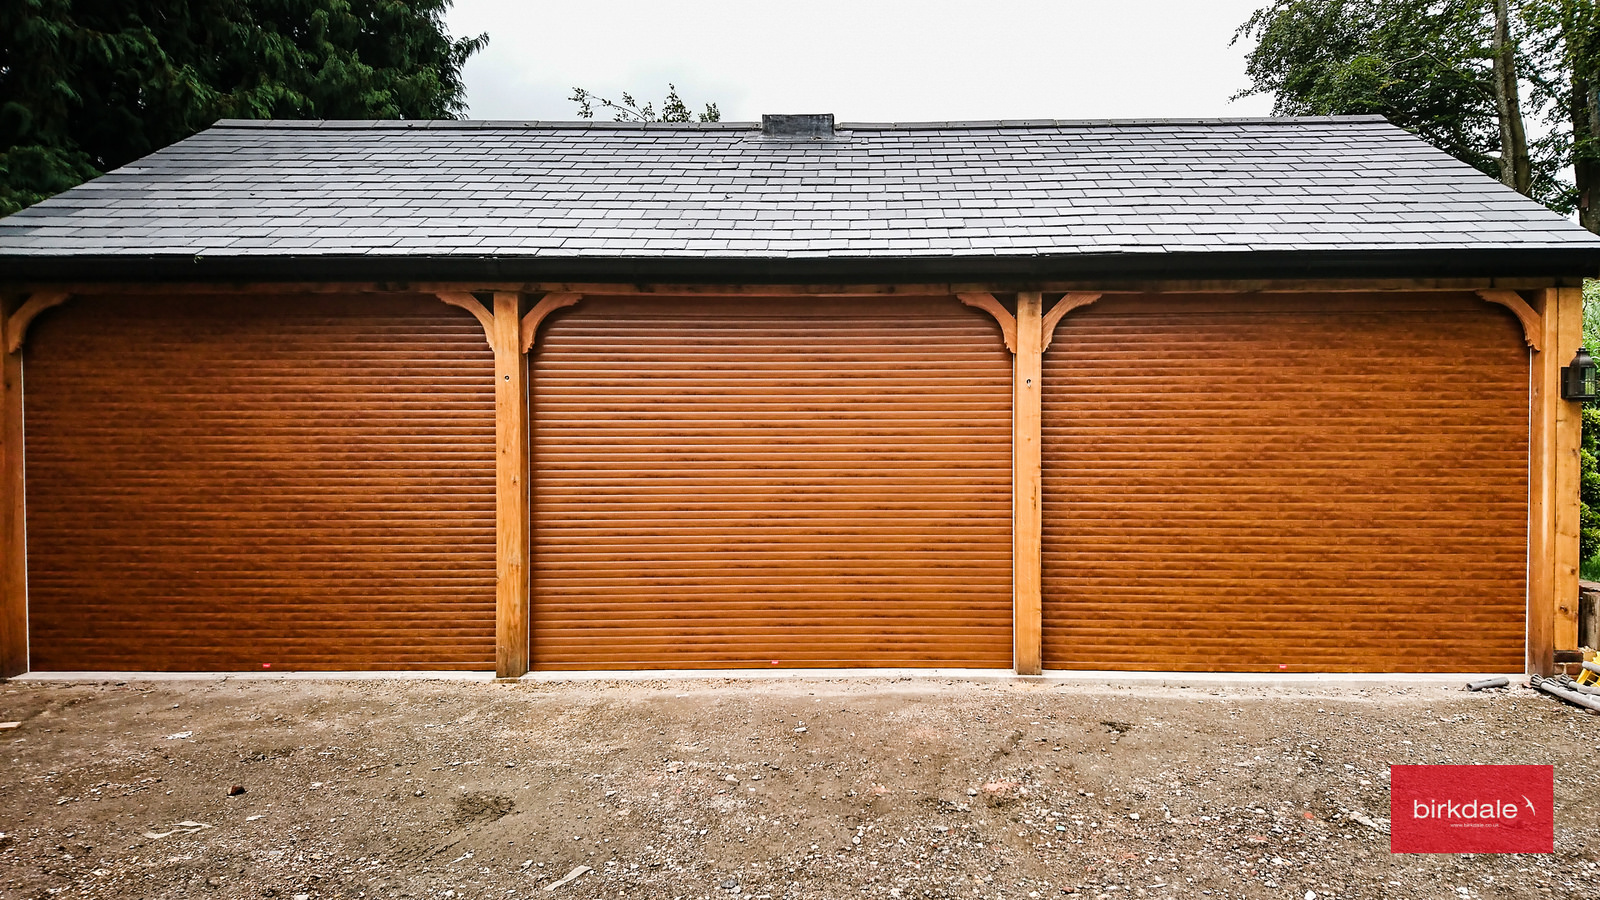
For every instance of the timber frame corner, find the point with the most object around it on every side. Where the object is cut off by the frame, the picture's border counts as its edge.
(469, 302)
(17, 323)
(1531, 325)
(1068, 302)
(986, 302)
(547, 304)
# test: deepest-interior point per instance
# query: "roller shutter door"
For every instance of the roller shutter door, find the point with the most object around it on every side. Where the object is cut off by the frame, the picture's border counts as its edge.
(766, 483)
(217, 483)
(1333, 483)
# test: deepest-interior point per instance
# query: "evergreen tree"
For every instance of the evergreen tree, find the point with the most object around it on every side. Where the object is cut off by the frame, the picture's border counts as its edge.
(1452, 71)
(90, 85)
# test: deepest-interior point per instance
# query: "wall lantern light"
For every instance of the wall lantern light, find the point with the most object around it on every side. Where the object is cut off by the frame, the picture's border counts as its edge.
(1578, 379)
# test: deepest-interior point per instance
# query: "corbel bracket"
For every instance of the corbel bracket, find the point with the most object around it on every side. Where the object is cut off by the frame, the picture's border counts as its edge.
(1513, 301)
(1066, 304)
(987, 303)
(547, 304)
(17, 325)
(472, 305)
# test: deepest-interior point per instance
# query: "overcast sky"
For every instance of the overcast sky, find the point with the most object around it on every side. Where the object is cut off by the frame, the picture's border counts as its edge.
(864, 60)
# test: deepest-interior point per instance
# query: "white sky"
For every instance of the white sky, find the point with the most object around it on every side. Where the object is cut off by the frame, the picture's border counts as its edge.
(863, 60)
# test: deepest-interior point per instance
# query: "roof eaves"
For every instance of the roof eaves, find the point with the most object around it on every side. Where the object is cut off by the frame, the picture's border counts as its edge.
(1108, 269)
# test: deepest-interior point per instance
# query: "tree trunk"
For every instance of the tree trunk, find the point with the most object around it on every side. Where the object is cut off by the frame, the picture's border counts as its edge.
(1579, 27)
(1516, 169)
(1584, 105)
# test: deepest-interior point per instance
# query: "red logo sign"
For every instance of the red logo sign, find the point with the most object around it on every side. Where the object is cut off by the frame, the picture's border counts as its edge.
(1472, 809)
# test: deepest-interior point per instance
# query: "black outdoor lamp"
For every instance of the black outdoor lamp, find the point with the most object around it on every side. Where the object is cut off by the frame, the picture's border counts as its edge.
(1578, 379)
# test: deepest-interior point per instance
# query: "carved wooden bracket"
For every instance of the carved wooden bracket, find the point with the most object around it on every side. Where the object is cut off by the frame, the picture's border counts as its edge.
(987, 303)
(548, 304)
(1066, 304)
(17, 325)
(472, 305)
(1513, 301)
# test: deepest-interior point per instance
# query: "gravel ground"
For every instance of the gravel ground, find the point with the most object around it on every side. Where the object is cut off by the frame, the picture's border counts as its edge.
(787, 788)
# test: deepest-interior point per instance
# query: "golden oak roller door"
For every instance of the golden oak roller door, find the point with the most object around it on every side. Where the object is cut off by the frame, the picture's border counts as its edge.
(771, 482)
(1286, 483)
(280, 482)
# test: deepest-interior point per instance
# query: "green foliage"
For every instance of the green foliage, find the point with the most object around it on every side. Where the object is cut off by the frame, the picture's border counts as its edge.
(673, 109)
(1424, 65)
(1589, 452)
(1589, 486)
(89, 85)
(1427, 66)
(1591, 315)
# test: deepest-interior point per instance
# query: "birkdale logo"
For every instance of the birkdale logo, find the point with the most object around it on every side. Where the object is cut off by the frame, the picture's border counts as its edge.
(1471, 809)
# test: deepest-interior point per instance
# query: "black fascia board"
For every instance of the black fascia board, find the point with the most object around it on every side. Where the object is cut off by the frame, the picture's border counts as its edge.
(1575, 262)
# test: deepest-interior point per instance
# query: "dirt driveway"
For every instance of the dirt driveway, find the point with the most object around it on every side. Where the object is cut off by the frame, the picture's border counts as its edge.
(767, 789)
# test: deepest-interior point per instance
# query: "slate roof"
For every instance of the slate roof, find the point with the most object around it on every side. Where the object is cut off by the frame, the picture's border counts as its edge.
(540, 192)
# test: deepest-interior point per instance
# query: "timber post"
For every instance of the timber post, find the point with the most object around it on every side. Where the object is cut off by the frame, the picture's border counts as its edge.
(1568, 474)
(512, 599)
(13, 543)
(1027, 409)
(1554, 437)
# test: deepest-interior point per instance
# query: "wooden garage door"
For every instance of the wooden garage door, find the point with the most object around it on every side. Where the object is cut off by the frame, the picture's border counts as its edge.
(771, 483)
(217, 483)
(1295, 483)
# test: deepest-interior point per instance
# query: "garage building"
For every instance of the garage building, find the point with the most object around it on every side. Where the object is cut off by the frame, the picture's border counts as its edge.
(1269, 395)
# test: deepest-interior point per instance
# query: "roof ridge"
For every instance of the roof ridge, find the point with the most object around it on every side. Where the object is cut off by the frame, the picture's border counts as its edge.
(584, 125)
(1099, 123)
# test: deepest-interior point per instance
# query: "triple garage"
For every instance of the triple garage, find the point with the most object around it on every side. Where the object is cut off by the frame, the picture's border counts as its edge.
(281, 482)
(1253, 395)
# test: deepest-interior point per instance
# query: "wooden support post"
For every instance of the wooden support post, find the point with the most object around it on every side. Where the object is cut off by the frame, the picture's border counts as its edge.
(1568, 473)
(13, 540)
(1553, 483)
(511, 487)
(1027, 410)
(1541, 424)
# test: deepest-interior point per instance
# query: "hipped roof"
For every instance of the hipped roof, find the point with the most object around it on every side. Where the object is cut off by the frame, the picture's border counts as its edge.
(1340, 196)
